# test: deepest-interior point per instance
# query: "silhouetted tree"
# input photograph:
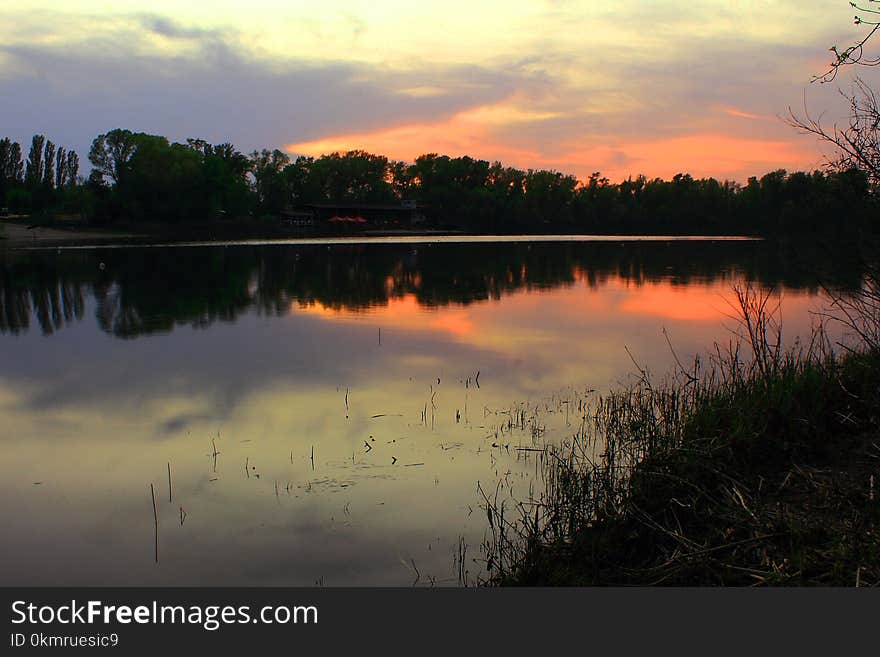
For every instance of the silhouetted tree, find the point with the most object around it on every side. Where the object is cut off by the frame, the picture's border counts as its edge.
(151, 179)
(222, 177)
(269, 185)
(11, 167)
(60, 168)
(49, 166)
(35, 169)
(72, 167)
(110, 154)
(354, 176)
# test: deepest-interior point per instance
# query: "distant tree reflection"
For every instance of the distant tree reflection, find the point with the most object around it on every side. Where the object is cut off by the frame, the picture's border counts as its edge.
(144, 291)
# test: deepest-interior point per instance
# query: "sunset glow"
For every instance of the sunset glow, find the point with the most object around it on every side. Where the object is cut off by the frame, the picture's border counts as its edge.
(478, 324)
(565, 85)
(378, 294)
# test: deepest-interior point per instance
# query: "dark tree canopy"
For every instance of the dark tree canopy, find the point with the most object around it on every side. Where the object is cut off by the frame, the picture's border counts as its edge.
(37, 184)
(144, 179)
(49, 165)
(111, 152)
(35, 167)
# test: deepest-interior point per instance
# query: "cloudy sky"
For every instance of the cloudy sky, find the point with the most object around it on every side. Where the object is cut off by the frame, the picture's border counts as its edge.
(618, 87)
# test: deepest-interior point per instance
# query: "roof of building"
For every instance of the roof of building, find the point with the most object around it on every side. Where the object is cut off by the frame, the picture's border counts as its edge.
(357, 206)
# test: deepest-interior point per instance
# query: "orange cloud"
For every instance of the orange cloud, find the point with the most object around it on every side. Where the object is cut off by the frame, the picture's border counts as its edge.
(465, 133)
(718, 155)
(489, 132)
(732, 111)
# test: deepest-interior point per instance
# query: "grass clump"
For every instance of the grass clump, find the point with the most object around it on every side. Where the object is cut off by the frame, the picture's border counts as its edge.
(760, 468)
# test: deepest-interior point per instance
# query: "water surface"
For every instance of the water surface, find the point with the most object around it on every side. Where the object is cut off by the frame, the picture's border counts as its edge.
(327, 409)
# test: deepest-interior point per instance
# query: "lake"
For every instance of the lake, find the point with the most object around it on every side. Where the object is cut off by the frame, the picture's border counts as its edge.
(327, 409)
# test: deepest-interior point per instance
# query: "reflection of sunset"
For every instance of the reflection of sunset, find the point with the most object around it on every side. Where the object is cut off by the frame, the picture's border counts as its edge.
(484, 323)
(402, 306)
(403, 312)
(458, 324)
(577, 332)
(710, 303)
(370, 367)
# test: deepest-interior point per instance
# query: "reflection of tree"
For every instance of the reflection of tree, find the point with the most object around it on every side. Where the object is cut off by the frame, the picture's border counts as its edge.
(152, 290)
(144, 291)
(38, 290)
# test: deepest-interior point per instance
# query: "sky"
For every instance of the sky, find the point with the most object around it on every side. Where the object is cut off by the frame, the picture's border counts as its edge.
(579, 86)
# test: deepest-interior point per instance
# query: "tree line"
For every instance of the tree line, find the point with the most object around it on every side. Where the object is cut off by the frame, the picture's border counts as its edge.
(138, 177)
(47, 180)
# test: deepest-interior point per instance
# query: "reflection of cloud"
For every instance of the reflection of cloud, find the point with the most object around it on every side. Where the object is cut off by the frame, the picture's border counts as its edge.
(528, 341)
(179, 422)
(400, 313)
(457, 324)
(703, 304)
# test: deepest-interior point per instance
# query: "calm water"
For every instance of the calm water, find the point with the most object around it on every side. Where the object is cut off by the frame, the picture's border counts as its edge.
(319, 404)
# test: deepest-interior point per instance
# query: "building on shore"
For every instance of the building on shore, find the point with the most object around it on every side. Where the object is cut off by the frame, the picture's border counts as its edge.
(357, 216)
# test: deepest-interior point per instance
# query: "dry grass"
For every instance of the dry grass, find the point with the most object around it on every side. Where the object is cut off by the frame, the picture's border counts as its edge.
(756, 465)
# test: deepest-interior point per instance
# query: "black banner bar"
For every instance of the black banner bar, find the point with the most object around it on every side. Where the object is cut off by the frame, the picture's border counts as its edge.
(137, 621)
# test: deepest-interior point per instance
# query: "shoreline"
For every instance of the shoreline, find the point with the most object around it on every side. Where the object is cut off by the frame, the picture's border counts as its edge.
(746, 474)
(16, 235)
(21, 235)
